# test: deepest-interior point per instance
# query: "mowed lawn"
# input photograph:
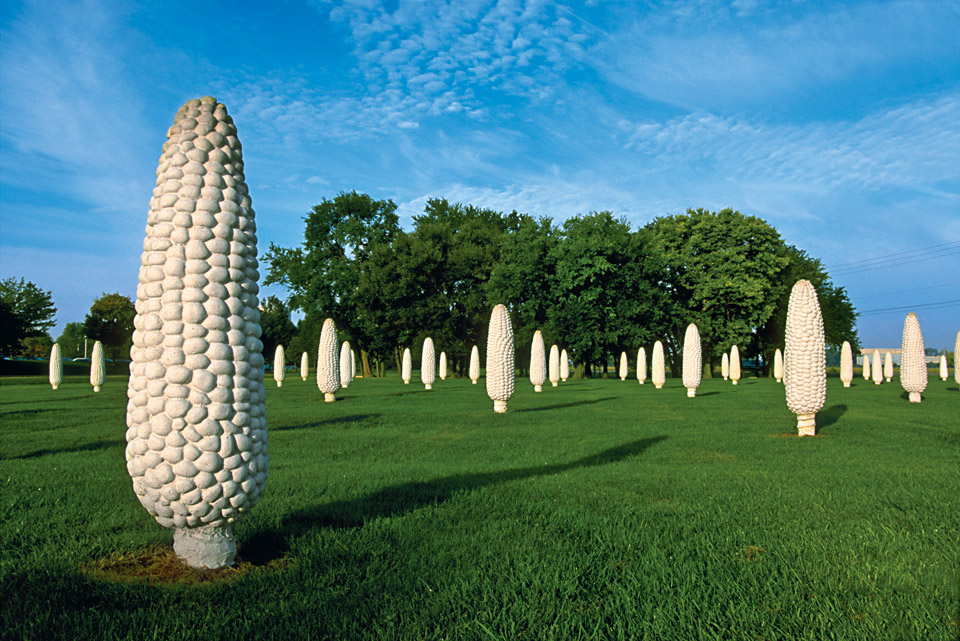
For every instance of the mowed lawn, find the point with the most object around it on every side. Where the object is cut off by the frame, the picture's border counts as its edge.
(600, 509)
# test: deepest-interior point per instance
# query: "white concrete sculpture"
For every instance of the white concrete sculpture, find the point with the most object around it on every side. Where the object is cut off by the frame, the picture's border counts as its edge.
(641, 365)
(944, 369)
(778, 365)
(474, 365)
(406, 368)
(279, 366)
(554, 365)
(692, 360)
(564, 365)
(197, 432)
(442, 369)
(500, 359)
(623, 366)
(866, 367)
(877, 367)
(888, 366)
(98, 366)
(345, 369)
(913, 362)
(659, 376)
(428, 364)
(725, 366)
(805, 357)
(328, 362)
(538, 362)
(304, 366)
(846, 364)
(56, 366)
(734, 364)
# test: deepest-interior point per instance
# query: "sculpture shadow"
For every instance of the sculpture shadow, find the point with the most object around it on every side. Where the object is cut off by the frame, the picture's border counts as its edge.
(88, 447)
(47, 401)
(710, 394)
(266, 545)
(829, 416)
(353, 418)
(563, 405)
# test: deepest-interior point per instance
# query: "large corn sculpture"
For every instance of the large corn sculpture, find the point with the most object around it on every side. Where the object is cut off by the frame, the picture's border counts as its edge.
(428, 364)
(500, 359)
(805, 365)
(554, 365)
(846, 364)
(659, 376)
(279, 366)
(913, 364)
(197, 432)
(538, 362)
(56, 366)
(328, 362)
(692, 360)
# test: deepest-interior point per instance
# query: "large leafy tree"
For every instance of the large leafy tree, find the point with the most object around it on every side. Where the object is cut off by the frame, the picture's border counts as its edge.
(322, 275)
(71, 340)
(276, 326)
(723, 272)
(110, 321)
(25, 311)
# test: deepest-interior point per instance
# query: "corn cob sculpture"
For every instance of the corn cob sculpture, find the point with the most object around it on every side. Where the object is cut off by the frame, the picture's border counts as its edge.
(734, 364)
(876, 367)
(866, 367)
(474, 365)
(623, 366)
(692, 360)
(345, 365)
(538, 362)
(278, 366)
(406, 369)
(197, 433)
(944, 370)
(888, 366)
(778, 365)
(98, 367)
(443, 366)
(304, 366)
(846, 364)
(913, 364)
(805, 365)
(56, 366)
(564, 365)
(500, 359)
(428, 364)
(328, 362)
(725, 366)
(659, 370)
(641, 365)
(554, 365)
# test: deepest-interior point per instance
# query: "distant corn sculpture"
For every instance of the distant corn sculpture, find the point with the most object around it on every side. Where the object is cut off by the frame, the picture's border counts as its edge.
(659, 376)
(328, 362)
(538, 362)
(56, 366)
(846, 364)
(406, 369)
(474, 365)
(735, 364)
(500, 359)
(428, 364)
(692, 360)
(554, 365)
(876, 367)
(641, 365)
(278, 366)
(778, 365)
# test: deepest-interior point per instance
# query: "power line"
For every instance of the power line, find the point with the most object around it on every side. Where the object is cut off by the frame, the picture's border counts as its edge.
(907, 291)
(900, 261)
(930, 306)
(884, 256)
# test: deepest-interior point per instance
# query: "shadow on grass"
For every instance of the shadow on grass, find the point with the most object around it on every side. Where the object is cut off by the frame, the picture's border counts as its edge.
(88, 447)
(265, 546)
(562, 405)
(353, 418)
(829, 416)
(47, 401)
(709, 394)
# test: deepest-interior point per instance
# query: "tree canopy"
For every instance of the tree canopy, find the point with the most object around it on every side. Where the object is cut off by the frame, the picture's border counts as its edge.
(110, 321)
(25, 311)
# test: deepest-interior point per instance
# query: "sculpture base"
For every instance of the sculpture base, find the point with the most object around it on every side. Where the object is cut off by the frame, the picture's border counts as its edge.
(658, 386)
(553, 383)
(538, 388)
(329, 398)
(846, 384)
(406, 381)
(641, 382)
(205, 547)
(806, 424)
(426, 386)
(96, 388)
(943, 378)
(779, 379)
(691, 392)
(564, 380)
(474, 381)
(623, 378)
(734, 382)
(303, 378)
(915, 397)
(55, 386)
(888, 379)
(279, 383)
(876, 382)
(500, 407)
(724, 378)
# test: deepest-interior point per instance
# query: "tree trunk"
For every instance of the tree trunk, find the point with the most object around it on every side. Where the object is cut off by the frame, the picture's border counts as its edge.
(365, 360)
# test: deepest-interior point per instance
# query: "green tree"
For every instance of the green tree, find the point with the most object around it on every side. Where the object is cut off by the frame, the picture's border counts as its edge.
(322, 275)
(25, 310)
(71, 340)
(35, 346)
(276, 327)
(724, 273)
(110, 321)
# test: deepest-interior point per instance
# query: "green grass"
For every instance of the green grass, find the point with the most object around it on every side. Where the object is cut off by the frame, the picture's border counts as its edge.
(600, 509)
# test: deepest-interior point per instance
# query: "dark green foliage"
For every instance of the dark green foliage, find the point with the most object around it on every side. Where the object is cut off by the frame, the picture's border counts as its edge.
(597, 510)
(110, 321)
(25, 311)
(276, 329)
(71, 340)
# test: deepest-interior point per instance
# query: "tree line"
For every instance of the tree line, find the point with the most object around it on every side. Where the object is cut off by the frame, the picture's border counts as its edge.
(591, 284)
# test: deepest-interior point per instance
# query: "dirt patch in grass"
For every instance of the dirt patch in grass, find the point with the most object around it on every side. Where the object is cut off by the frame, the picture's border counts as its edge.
(160, 565)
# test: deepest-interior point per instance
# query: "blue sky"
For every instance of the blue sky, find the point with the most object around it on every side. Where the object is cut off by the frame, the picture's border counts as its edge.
(838, 124)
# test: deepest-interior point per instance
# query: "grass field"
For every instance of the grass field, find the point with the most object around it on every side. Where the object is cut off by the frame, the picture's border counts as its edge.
(600, 509)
